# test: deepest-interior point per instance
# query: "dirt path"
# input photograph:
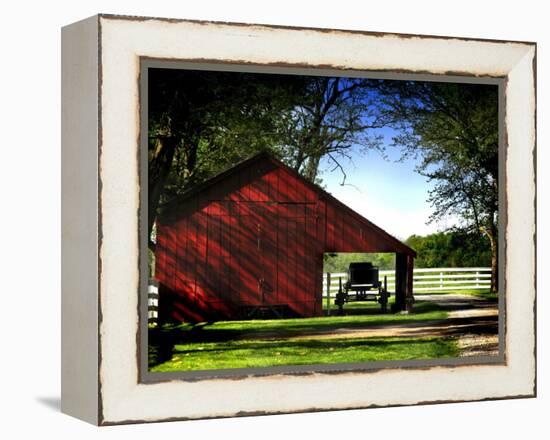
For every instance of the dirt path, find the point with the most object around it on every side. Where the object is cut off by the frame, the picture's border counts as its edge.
(481, 338)
(473, 321)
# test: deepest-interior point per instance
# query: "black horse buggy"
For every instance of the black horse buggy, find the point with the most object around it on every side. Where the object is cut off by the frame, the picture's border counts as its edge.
(363, 284)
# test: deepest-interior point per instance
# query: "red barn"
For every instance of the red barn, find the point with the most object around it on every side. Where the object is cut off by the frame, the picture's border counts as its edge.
(254, 236)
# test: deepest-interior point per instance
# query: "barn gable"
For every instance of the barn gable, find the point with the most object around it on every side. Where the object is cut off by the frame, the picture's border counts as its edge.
(262, 178)
(255, 235)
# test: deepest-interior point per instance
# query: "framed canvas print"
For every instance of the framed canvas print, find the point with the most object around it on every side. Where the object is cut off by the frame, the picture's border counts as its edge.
(262, 219)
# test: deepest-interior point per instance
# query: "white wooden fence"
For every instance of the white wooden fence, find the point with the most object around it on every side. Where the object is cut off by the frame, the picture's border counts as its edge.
(152, 301)
(426, 280)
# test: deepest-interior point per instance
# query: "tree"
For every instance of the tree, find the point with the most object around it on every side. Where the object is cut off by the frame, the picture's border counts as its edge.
(450, 249)
(201, 122)
(453, 128)
(339, 262)
(336, 115)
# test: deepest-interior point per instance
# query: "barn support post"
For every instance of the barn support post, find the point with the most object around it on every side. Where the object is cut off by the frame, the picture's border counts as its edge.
(400, 282)
(328, 293)
(163, 308)
(166, 306)
(409, 298)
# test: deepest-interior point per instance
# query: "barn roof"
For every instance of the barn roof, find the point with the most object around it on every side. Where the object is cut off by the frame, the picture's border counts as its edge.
(171, 207)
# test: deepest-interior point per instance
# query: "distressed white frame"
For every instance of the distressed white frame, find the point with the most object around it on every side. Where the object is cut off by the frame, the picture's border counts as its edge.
(119, 397)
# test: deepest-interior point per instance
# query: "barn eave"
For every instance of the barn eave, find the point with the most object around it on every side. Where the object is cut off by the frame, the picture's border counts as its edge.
(173, 209)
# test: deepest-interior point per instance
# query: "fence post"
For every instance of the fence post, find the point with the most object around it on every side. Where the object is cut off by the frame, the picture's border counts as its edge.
(152, 302)
(477, 279)
(441, 280)
(328, 293)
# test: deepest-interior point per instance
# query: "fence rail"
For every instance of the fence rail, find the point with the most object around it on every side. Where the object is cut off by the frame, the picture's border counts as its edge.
(424, 280)
(153, 302)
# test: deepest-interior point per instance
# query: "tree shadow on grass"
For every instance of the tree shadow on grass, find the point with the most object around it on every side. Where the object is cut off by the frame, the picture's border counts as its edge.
(308, 344)
(163, 339)
(249, 354)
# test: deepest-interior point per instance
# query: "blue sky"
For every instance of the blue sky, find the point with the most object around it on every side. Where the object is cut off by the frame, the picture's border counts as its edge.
(389, 193)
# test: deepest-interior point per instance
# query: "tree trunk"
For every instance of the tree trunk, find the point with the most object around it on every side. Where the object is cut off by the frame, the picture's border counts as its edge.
(159, 169)
(299, 161)
(492, 233)
(494, 269)
(312, 167)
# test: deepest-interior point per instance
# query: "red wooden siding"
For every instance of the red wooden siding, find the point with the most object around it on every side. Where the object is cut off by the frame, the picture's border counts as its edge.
(255, 236)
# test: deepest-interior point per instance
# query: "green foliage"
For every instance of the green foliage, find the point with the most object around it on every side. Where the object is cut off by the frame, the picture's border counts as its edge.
(339, 262)
(451, 249)
(334, 119)
(214, 120)
(202, 122)
(442, 249)
(453, 128)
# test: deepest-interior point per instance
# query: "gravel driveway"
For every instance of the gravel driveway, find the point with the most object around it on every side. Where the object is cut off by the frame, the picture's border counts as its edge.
(473, 321)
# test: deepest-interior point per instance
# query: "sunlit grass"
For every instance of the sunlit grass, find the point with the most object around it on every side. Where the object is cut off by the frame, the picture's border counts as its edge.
(268, 353)
(482, 293)
(292, 327)
(234, 344)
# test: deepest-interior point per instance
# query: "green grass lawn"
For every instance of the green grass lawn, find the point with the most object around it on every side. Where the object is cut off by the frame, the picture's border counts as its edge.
(262, 343)
(282, 328)
(268, 353)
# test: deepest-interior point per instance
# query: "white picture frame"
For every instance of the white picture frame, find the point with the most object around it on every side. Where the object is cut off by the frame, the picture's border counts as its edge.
(101, 59)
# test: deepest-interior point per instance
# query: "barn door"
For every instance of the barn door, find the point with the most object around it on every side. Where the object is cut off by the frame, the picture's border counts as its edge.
(296, 256)
(270, 253)
(267, 235)
(249, 267)
(257, 253)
